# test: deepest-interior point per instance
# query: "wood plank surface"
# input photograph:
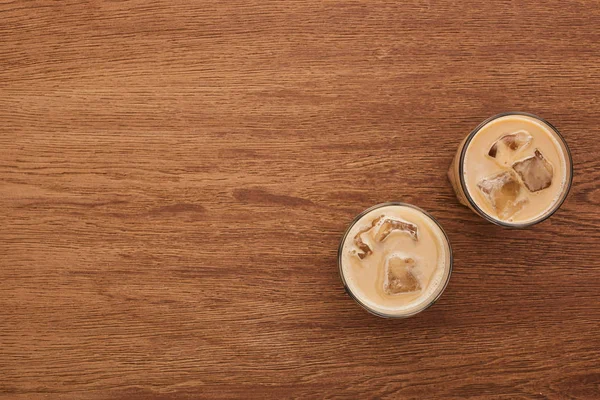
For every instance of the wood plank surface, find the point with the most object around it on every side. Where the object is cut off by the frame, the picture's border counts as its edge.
(175, 177)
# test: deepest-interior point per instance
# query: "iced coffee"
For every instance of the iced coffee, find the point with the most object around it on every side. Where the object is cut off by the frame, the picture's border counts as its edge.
(395, 260)
(514, 170)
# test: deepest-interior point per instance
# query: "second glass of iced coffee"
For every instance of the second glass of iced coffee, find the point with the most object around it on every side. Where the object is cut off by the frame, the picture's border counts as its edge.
(514, 170)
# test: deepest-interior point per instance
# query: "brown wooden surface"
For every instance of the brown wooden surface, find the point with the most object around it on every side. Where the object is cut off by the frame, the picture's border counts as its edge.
(175, 177)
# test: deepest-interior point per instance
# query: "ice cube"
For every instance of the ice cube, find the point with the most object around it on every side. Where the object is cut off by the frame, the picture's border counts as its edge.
(364, 249)
(399, 277)
(388, 225)
(535, 171)
(504, 192)
(504, 149)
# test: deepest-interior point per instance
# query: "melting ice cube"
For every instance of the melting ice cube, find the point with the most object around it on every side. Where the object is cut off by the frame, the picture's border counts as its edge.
(389, 225)
(504, 149)
(535, 171)
(363, 248)
(399, 277)
(503, 191)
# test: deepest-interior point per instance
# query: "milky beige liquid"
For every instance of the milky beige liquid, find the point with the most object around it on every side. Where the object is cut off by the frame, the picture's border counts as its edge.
(365, 277)
(478, 165)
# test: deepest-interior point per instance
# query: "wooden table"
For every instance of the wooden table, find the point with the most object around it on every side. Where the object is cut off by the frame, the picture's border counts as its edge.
(175, 177)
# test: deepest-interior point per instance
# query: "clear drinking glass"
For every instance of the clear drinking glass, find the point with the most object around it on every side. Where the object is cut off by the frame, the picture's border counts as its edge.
(456, 173)
(432, 297)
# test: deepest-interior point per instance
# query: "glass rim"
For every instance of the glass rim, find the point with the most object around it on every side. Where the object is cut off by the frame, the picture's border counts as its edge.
(341, 271)
(478, 209)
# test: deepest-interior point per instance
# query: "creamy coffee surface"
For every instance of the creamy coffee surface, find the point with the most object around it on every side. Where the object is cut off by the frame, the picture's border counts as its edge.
(515, 169)
(395, 260)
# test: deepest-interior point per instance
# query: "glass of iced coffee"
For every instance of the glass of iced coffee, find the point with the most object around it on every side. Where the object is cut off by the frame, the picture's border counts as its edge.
(514, 170)
(395, 260)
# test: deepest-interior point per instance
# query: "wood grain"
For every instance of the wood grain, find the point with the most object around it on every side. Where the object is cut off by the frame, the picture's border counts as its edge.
(175, 177)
